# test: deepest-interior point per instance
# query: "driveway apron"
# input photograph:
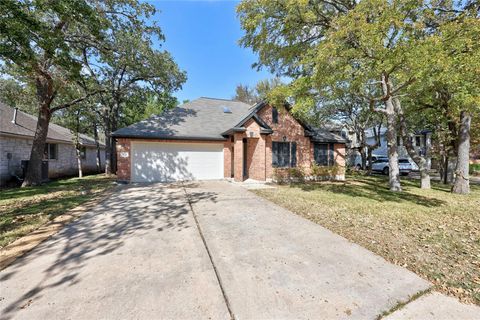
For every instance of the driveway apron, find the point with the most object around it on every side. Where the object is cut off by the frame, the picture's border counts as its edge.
(137, 255)
(276, 265)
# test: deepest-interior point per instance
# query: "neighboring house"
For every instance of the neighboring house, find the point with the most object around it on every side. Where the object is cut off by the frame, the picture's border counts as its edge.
(17, 130)
(216, 139)
(419, 142)
(352, 145)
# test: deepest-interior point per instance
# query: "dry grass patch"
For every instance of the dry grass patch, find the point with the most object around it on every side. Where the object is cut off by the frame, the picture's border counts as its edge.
(23, 210)
(431, 232)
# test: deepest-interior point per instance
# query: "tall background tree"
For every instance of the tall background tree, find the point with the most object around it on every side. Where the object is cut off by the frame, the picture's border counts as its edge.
(252, 95)
(382, 51)
(134, 71)
(43, 46)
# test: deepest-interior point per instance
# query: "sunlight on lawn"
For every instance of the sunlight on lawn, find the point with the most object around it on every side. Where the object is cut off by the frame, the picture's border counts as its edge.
(23, 210)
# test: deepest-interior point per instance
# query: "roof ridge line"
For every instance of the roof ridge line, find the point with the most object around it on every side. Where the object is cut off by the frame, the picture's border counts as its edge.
(211, 98)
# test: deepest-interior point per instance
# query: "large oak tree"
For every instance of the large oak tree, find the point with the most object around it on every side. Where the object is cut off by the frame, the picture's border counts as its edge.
(41, 44)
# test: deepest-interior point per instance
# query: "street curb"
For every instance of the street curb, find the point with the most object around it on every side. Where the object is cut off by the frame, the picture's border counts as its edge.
(23, 245)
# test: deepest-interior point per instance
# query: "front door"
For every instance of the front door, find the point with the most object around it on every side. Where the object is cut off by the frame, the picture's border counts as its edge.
(245, 171)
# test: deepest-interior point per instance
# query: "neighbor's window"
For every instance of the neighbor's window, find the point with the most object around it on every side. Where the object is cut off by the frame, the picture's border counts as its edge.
(83, 152)
(284, 154)
(323, 154)
(418, 141)
(51, 151)
(274, 115)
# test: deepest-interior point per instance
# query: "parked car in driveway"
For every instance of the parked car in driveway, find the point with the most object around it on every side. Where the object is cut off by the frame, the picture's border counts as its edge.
(381, 165)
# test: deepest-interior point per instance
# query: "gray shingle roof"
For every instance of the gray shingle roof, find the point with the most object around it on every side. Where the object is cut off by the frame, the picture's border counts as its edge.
(200, 119)
(26, 125)
(322, 135)
(205, 119)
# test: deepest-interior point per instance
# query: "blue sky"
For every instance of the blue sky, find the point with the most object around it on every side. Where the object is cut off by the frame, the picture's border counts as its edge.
(203, 38)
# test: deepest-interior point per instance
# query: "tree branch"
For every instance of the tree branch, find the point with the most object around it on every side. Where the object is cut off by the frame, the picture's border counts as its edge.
(75, 101)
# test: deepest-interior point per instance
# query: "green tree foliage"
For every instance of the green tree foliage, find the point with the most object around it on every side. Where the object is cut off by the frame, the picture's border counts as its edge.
(49, 45)
(245, 93)
(143, 106)
(40, 46)
(282, 33)
(134, 71)
(252, 95)
(381, 51)
(18, 95)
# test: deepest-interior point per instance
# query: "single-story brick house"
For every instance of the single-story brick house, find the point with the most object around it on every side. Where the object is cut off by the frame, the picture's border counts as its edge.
(216, 139)
(17, 130)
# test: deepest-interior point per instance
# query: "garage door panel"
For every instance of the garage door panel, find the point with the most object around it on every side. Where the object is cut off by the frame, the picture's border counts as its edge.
(176, 161)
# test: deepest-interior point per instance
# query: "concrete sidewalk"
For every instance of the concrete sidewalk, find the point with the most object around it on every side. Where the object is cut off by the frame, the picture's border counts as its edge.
(435, 306)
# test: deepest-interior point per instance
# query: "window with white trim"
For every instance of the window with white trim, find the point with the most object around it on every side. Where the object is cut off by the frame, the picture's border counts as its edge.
(51, 151)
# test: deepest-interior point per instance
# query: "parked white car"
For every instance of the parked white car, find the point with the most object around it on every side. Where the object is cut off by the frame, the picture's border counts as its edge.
(381, 165)
(358, 160)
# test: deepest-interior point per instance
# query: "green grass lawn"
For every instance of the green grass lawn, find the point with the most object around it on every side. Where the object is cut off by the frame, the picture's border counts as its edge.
(431, 232)
(23, 210)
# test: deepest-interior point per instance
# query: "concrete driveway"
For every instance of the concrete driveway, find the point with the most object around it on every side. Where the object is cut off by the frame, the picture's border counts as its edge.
(207, 250)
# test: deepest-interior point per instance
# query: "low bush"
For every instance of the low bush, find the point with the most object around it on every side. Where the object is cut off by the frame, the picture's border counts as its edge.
(475, 169)
(320, 173)
(288, 175)
(300, 175)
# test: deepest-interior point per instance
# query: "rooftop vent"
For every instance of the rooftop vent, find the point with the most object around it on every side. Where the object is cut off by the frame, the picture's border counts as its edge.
(226, 110)
(14, 120)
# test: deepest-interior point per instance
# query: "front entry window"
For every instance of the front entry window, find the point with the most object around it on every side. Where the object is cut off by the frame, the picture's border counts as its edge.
(284, 154)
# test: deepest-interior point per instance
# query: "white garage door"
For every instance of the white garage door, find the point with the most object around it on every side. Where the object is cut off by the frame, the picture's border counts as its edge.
(156, 161)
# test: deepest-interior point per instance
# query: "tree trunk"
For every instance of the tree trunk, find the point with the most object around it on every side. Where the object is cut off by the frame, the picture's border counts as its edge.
(108, 149)
(79, 161)
(373, 146)
(421, 161)
(369, 167)
(444, 171)
(78, 146)
(364, 159)
(461, 184)
(425, 181)
(394, 171)
(113, 141)
(33, 175)
(97, 146)
(107, 125)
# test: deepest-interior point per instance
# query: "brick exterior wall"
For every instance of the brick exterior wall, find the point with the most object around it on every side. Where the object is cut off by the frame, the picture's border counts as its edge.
(65, 165)
(259, 148)
(227, 159)
(238, 156)
(339, 154)
(289, 128)
(123, 159)
(256, 158)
